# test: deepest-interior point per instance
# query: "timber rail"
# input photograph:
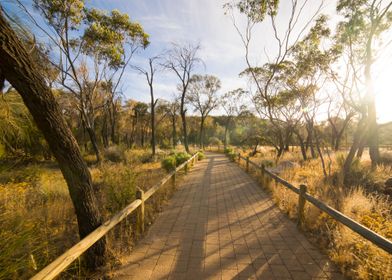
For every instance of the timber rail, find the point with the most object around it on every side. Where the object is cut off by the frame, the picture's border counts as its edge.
(303, 196)
(62, 262)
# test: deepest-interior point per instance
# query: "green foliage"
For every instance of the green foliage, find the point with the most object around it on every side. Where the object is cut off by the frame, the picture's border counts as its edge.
(118, 183)
(182, 157)
(200, 155)
(172, 161)
(169, 163)
(214, 141)
(18, 132)
(228, 150)
(232, 156)
(256, 10)
(107, 34)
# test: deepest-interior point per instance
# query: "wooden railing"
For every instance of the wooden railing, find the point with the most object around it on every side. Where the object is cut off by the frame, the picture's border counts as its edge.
(303, 196)
(62, 262)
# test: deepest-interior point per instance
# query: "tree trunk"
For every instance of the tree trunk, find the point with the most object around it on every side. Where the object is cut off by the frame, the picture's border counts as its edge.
(302, 146)
(225, 139)
(174, 132)
(104, 131)
(184, 130)
(93, 139)
(201, 132)
(358, 137)
(20, 70)
(371, 106)
(153, 141)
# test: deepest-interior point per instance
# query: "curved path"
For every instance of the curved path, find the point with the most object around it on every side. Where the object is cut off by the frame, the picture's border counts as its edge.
(221, 225)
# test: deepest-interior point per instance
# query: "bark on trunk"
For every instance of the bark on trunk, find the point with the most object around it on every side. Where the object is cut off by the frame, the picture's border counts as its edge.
(184, 130)
(371, 105)
(201, 132)
(174, 132)
(153, 141)
(93, 139)
(20, 70)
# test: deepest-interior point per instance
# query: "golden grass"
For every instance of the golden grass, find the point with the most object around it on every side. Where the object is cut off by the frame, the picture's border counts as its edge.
(357, 257)
(37, 217)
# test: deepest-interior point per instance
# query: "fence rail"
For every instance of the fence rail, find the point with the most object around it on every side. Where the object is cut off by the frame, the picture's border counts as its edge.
(57, 266)
(303, 196)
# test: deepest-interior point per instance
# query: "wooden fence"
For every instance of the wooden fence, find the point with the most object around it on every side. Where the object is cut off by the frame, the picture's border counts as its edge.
(303, 196)
(62, 262)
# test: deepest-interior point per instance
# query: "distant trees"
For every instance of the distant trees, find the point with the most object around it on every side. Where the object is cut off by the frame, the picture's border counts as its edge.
(182, 60)
(149, 73)
(233, 105)
(80, 34)
(203, 97)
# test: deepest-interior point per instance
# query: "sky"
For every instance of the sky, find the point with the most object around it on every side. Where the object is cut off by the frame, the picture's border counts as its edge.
(205, 22)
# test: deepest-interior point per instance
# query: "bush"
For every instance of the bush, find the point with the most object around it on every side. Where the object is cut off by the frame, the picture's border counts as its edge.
(114, 154)
(169, 163)
(200, 155)
(228, 150)
(118, 186)
(214, 141)
(232, 155)
(181, 157)
(136, 156)
(174, 160)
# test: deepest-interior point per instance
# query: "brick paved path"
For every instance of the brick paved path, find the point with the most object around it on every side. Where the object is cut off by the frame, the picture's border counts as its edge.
(221, 225)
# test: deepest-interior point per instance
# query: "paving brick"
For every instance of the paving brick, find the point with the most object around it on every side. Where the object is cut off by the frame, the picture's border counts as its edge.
(221, 225)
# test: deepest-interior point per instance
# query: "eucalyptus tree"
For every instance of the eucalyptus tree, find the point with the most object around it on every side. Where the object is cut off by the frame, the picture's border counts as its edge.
(361, 30)
(203, 97)
(232, 105)
(75, 31)
(182, 60)
(263, 79)
(149, 73)
(18, 68)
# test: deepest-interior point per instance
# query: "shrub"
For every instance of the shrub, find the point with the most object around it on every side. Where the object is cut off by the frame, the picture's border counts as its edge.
(181, 157)
(174, 160)
(200, 155)
(214, 141)
(228, 150)
(169, 163)
(119, 186)
(232, 155)
(114, 154)
(136, 156)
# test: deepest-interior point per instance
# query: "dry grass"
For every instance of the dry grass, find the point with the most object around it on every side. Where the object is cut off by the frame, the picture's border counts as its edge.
(364, 202)
(37, 217)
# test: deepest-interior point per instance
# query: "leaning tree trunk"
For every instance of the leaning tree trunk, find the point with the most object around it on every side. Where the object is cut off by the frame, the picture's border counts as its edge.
(21, 71)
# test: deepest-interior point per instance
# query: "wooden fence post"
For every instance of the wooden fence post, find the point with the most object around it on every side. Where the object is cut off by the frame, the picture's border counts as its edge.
(301, 205)
(186, 168)
(239, 158)
(174, 178)
(140, 213)
(247, 164)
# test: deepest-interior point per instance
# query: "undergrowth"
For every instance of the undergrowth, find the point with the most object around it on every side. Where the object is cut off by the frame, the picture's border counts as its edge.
(364, 200)
(37, 218)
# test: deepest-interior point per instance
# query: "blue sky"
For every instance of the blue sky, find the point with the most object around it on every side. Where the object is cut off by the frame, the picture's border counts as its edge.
(204, 21)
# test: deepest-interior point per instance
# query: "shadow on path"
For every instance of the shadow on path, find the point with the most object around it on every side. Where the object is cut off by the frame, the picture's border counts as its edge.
(221, 225)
